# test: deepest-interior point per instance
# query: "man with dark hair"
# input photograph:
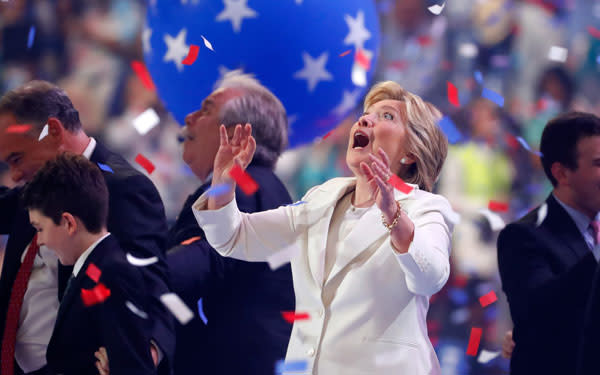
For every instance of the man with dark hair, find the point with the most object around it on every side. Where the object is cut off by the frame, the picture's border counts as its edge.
(547, 259)
(38, 122)
(67, 200)
(245, 332)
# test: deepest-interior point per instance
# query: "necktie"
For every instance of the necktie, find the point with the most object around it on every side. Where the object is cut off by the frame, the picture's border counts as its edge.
(7, 358)
(595, 225)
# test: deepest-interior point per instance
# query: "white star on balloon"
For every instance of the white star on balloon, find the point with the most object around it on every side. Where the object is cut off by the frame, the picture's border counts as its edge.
(314, 70)
(146, 35)
(358, 34)
(177, 50)
(235, 11)
(348, 102)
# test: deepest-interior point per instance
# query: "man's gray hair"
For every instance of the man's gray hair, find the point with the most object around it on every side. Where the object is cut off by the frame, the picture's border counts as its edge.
(258, 106)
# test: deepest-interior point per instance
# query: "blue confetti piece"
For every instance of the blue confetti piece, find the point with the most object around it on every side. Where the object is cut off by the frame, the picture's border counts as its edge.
(201, 312)
(478, 77)
(215, 191)
(105, 167)
(493, 96)
(30, 37)
(288, 366)
(450, 130)
(297, 203)
(527, 147)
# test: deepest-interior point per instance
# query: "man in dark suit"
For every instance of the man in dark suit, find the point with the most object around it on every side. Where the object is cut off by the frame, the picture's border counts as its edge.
(547, 259)
(105, 301)
(242, 301)
(37, 122)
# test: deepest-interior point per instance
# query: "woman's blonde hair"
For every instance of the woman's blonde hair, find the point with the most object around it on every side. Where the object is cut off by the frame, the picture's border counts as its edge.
(425, 140)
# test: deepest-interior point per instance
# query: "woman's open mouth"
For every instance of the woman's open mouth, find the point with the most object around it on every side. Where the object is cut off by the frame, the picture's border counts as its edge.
(360, 140)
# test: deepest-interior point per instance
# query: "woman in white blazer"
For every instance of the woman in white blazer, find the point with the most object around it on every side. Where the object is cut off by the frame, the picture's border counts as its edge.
(368, 256)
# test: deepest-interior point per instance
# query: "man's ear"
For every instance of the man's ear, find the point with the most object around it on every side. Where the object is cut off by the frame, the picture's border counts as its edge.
(56, 131)
(70, 222)
(560, 173)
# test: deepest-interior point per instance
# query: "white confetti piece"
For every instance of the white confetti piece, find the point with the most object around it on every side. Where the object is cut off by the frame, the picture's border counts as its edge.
(177, 307)
(437, 9)
(135, 310)
(541, 215)
(141, 262)
(558, 54)
(495, 220)
(207, 43)
(359, 75)
(146, 121)
(485, 356)
(468, 50)
(283, 257)
(44, 133)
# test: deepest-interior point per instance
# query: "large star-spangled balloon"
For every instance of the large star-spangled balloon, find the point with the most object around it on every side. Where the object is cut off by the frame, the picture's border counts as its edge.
(292, 46)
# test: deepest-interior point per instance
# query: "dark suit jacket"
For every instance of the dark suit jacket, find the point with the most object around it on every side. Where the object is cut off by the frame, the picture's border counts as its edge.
(590, 346)
(136, 218)
(79, 330)
(546, 273)
(241, 300)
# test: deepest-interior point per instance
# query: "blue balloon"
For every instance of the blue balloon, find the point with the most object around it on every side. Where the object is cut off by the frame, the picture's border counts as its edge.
(292, 46)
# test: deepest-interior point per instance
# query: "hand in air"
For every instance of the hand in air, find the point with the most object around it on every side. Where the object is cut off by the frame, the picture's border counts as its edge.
(237, 151)
(378, 174)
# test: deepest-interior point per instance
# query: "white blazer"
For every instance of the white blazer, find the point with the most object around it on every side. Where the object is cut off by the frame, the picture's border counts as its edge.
(369, 316)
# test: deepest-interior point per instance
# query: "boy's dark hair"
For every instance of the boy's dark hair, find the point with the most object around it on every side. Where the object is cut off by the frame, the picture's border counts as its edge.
(69, 183)
(561, 136)
(34, 102)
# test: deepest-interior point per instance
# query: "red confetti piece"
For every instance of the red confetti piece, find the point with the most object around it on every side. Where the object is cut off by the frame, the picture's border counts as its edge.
(345, 53)
(488, 299)
(93, 272)
(192, 55)
(474, 341)
(512, 142)
(191, 240)
(593, 32)
(145, 163)
(327, 135)
(96, 295)
(498, 206)
(399, 184)
(140, 70)
(453, 94)
(244, 180)
(292, 316)
(18, 129)
(424, 40)
(362, 60)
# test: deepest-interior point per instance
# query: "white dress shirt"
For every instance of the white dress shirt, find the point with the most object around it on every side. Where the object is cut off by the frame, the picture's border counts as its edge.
(582, 221)
(82, 258)
(40, 304)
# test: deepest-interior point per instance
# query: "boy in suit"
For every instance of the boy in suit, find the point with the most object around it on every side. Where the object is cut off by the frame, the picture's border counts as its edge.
(104, 301)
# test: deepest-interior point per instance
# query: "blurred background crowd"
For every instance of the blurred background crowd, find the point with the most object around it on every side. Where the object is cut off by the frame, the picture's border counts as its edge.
(86, 47)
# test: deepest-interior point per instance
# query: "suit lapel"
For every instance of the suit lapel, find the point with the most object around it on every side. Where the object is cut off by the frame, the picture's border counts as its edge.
(562, 225)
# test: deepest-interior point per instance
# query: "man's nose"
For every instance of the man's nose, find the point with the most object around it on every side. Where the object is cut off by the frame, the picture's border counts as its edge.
(16, 175)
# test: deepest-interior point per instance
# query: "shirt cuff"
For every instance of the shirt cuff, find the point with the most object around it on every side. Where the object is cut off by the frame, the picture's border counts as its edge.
(218, 225)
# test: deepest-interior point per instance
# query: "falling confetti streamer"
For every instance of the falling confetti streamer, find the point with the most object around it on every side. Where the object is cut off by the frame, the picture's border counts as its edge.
(177, 307)
(437, 9)
(488, 299)
(474, 340)
(453, 94)
(44, 133)
(141, 262)
(192, 55)
(244, 180)
(93, 272)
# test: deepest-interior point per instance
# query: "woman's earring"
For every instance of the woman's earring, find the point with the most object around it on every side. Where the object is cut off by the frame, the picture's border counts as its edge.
(403, 161)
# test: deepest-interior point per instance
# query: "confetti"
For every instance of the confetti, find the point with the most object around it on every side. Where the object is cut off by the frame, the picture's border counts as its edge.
(541, 215)
(327, 135)
(359, 76)
(362, 59)
(593, 32)
(44, 133)
(191, 240)
(474, 339)
(141, 262)
(133, 308)
(207, 44)
(93, 272)
(496, 222)
(468, 50)
(297, 203)
(424, 40)
(345, 53)
(105, 167)
(244, 180)
(201, 312)
(192, 55)
(30, 37)
(177, 307)
(478, 77)
(399, 184)
(437, 9)
(526, 146)
(493, 96)
(558, 54)
(217, 190)
(498, 206)
(142, 73)
(290, 366)
(96, 295)
(453, 94)
(283, 256)
(450, 130)
(146, 121)
(488, 299)
(18, 129)
(292, 316)
(145, 163)
(486, 356)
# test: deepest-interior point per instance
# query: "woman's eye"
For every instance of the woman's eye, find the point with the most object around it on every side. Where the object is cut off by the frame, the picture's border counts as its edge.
(388, 116)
